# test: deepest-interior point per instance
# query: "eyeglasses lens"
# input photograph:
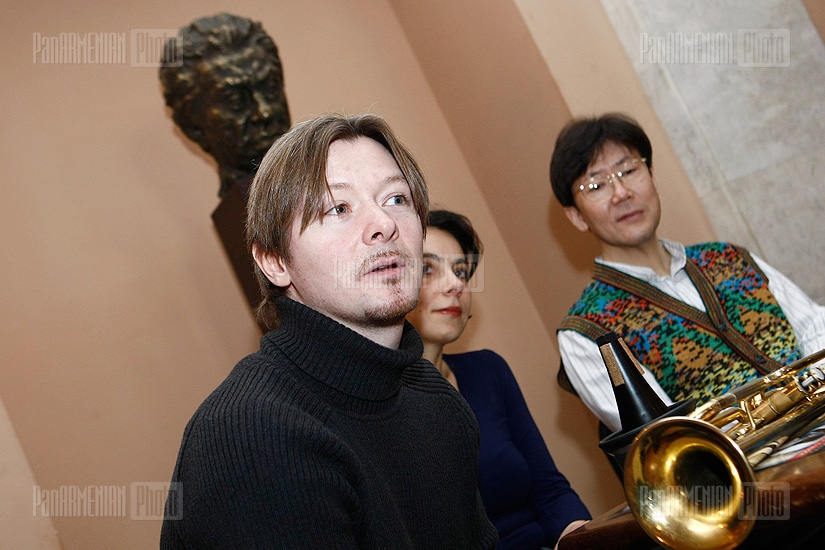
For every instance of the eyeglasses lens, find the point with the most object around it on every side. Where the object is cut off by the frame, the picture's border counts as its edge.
(600, 187)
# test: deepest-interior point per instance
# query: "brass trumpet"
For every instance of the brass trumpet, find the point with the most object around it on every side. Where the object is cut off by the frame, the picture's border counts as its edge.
(674, 462)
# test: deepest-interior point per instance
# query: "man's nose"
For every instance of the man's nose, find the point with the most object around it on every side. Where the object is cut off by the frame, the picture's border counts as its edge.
(379, 225)
(619, 189)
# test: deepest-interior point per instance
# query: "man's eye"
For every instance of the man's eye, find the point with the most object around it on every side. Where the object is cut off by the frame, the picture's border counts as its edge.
(397, 200)
(337, 210)
(595, 185)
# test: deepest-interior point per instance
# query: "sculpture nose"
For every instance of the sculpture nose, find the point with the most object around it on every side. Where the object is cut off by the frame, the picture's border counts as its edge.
(265, 108)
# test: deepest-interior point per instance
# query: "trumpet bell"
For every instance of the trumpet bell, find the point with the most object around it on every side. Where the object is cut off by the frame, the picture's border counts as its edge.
(685, 482)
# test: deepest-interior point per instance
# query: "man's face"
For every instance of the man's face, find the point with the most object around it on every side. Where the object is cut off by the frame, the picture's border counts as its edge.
(360, 262)
(628, 215)
(243, 107)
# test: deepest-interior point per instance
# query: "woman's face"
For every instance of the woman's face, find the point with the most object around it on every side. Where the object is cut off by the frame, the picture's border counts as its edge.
(443, 303)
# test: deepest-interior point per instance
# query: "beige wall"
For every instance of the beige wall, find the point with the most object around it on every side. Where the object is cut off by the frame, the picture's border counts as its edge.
(816, 11)
(120, 311)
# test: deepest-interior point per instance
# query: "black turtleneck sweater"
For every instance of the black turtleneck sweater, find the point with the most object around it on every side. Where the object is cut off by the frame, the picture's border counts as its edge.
(324, 439)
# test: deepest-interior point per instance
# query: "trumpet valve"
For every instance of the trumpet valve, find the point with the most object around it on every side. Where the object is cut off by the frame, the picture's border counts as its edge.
(813, 381)
(777, 403)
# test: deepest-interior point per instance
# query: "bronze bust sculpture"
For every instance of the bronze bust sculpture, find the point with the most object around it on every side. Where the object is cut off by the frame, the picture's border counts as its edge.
(223, 80)
(228, 93)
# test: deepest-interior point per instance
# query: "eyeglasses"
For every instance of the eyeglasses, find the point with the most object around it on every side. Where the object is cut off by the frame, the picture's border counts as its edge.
(600, 188)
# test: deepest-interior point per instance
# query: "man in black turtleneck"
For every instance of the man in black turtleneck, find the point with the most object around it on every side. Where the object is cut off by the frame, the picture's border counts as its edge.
(335, 434)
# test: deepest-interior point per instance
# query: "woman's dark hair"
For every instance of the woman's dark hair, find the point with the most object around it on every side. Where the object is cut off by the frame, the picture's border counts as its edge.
(460, 228)
(580, 142)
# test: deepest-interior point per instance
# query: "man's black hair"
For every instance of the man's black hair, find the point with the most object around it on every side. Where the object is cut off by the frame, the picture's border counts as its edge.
(580, 142)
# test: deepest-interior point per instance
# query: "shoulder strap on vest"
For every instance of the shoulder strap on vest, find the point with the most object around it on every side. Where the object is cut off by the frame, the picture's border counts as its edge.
(580, 324)
(722, 325)
(638, 287)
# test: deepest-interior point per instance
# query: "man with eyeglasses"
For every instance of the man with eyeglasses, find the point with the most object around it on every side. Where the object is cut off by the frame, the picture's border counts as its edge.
(702, 319)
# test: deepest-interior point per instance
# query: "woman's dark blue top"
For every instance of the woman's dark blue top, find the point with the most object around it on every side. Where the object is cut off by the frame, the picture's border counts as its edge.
(528, 500)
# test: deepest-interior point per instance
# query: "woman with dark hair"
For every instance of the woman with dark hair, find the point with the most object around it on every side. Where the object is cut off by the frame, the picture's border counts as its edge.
(529, 501)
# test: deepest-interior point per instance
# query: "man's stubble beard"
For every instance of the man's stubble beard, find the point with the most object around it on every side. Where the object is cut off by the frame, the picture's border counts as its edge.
(396, 308)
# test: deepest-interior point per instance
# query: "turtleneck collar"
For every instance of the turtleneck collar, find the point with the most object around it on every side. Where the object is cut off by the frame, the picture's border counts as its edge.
(339, 357)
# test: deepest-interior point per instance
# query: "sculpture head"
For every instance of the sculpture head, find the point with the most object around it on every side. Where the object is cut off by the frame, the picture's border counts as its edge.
(228, 93)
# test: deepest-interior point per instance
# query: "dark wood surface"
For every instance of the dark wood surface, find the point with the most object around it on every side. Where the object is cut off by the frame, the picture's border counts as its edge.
(617, 528)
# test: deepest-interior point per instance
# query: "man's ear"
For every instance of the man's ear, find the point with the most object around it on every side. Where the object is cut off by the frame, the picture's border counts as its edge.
(273, 267)
(576, 218)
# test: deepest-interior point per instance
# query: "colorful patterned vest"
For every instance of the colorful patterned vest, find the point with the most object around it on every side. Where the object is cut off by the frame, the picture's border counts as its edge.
(693, 354)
